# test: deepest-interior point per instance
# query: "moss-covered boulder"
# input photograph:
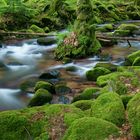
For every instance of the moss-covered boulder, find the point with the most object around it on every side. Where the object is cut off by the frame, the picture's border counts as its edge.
(38, 123)
(109, 106)
(83, 104)
(46, 40)
(103, 80)
(133, 109)
(45, 85)
(108, 66)
(93, 74)
(36, 29)
(131, 57)
(90, 128)
(41, 97)
(87, 94)
(71, 68)
(136, 62)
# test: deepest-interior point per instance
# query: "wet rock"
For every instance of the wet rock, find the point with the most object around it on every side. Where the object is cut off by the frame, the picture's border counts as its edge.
(41, 97)
(52, 74)
(66, 60)
(0, 45)
(46, 40)
(64, 100)
(62, 89)
(93, 74)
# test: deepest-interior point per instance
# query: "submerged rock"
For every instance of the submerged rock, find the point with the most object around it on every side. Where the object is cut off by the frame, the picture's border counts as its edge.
(46, 40)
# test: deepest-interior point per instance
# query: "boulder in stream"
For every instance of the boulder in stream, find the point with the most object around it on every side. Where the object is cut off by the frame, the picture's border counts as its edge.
(41, 97)
(46, 40)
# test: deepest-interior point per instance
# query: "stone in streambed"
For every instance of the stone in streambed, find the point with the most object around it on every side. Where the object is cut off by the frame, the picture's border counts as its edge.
(46, 41)
(41, 97)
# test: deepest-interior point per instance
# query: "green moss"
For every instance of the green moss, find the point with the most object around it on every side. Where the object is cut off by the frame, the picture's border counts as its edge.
(45, 85)
(61, 89)
(83, 104)
(90, 128)
(133, 109)
(41, 97)
(108, 66)
(109, 106)
(92, 75)
(71, 68)
(105, 28)
(36, 29)
(130, 27)
(103, 80)
(136, 62)
(122, 33)
(37, 122)
(87, 94)
(131, 57)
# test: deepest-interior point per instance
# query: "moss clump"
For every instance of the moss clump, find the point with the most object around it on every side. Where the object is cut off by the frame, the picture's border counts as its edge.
(92, 75)
(71, 68)
(36, 29)
(130, 27)
(90, 128)
(41, 97)
(103, 80)
(108, 66)
(38, 123)
(45, 85)
(109, 106)
(130, 58)
(83, 104)
(105, 28)
(136, 62)
(87, 94)
(133, 109)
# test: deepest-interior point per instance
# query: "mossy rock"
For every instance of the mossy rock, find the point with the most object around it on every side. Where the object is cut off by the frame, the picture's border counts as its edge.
(93, 74)
(46, 29)
(46, 41)
(133, 109)
(90, 128)
(131, 57)
(136, 62)
(122, 33)
(66, 60)
(103, 80)
(36, 29)
(108, 66)
(45, 85)
(41, 97)
(129, 27)
(105, 28)
(109, 106)
(83, 104)
(87, 94)
(71, 68)
(126, 99)
(38, 122)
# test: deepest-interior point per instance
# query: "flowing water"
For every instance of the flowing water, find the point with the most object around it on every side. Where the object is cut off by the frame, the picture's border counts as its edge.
(26, 59)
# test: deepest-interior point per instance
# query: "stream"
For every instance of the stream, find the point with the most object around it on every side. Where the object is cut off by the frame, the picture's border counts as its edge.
(20, 60)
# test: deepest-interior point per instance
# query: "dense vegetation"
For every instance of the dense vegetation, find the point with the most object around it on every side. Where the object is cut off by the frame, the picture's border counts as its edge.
(111, 109)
